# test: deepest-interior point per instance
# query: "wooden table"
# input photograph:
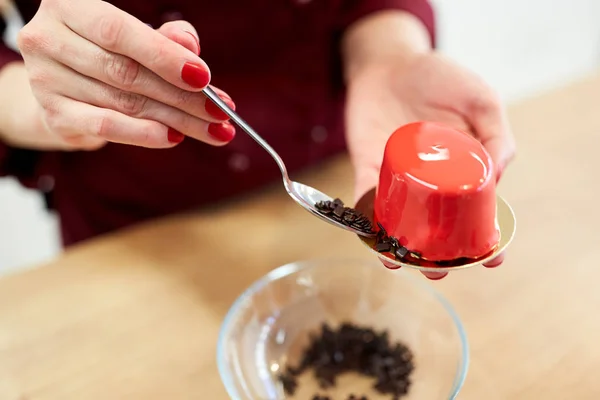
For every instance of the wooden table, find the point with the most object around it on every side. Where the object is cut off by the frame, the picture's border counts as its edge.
(136, 315)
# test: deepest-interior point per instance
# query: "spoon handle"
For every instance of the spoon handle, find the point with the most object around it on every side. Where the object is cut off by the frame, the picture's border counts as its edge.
(246, 128)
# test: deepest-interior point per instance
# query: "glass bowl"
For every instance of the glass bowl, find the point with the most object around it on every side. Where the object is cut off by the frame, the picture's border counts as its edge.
(271, 322)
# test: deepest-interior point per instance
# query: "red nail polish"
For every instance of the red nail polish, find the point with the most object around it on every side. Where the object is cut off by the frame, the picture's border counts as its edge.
(389, 265)
(195, 75)
(223, 132)
(435, 276)
(215, 111)
(195, 40)
(175, 136)
(496, 262)
(494, 265)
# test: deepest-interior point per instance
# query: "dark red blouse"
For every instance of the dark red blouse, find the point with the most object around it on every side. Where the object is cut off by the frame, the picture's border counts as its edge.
(279, 60)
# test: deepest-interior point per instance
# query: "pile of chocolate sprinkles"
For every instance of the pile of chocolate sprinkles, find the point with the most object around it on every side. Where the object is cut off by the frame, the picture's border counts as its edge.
(389, 244)
(353, 348)
(345, 215)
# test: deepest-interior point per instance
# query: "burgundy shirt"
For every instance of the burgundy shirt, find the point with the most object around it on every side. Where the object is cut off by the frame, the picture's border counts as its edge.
(280, 62)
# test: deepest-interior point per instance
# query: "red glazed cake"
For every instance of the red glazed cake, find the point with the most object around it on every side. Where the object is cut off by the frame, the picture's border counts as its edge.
(437, 193)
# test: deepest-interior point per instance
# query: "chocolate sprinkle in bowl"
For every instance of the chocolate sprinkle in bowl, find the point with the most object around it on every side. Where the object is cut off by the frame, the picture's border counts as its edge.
(340, 329)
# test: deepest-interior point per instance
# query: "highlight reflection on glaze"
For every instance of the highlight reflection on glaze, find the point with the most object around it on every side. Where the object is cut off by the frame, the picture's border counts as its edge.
(436, 192)
(439, 153)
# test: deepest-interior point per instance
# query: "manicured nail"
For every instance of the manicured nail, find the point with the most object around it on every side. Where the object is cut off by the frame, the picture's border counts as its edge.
(195, 75)
(496, 262)
(389, 265)
(223, 132)
(435, 276)
(195, 40)
(175, 136)
(492, 265)
(215, 111)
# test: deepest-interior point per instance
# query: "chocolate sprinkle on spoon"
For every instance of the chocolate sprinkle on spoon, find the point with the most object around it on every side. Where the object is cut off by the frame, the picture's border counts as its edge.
(309, 198)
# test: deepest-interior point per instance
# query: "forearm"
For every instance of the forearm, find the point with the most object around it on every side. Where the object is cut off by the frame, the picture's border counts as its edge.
(9, 81)
(13, 78)
(18, 108)
(390, 34)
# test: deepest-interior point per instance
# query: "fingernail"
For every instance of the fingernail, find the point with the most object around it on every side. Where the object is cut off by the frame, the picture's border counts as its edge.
(175, 136)
(223, 132)
(214, 109)
(195, 75)
(389, 265)
(195, 40)
(434, 276)
(493, 265)
(496, 262)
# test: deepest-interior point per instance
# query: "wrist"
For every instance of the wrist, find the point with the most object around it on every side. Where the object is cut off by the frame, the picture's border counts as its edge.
(9, 76)
(20, 122)
(384, 38)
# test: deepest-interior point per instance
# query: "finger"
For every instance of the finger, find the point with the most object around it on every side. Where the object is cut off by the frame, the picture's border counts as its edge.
(366, 178)
(491, 126)
(434, 276)
(85, 143)
(496, 262)
(137, 106)
(73, 141)
(77, 121)
(121, 33)
(127, 75)
(183, 33)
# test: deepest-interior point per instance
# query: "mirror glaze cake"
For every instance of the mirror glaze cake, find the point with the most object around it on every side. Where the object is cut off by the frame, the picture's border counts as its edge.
(437, 193)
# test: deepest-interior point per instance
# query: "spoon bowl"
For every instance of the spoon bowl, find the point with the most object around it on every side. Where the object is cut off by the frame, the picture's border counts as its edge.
(308, 196)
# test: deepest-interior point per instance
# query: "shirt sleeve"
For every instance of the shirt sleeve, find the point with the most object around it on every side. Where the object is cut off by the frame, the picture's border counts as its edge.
(353, 10)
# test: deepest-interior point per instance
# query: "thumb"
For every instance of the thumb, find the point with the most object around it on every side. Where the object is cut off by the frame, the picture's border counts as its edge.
(183, 33)
(491, 127)
(366, 178)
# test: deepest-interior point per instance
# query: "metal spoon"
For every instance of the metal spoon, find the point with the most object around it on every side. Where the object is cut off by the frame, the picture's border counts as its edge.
(303, 194)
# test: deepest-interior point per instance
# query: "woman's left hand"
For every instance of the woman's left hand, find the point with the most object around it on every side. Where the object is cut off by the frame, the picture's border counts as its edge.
(386, 95)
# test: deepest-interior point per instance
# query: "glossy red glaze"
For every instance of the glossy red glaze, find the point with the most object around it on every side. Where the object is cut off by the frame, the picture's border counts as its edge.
(437, 192)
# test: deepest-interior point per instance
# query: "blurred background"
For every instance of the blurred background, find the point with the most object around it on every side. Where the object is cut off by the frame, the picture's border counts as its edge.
(520, 47)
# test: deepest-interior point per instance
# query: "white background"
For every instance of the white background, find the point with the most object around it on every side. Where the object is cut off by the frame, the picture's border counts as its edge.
(519, 46)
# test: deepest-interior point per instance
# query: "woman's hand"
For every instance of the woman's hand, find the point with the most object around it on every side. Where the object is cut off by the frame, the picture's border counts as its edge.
(100, 75)
(425, 86)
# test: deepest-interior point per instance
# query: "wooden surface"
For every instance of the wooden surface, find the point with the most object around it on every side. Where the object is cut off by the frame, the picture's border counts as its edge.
(136, 315)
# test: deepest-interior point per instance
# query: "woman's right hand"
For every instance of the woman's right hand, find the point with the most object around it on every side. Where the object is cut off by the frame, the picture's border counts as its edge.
(100, 75)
